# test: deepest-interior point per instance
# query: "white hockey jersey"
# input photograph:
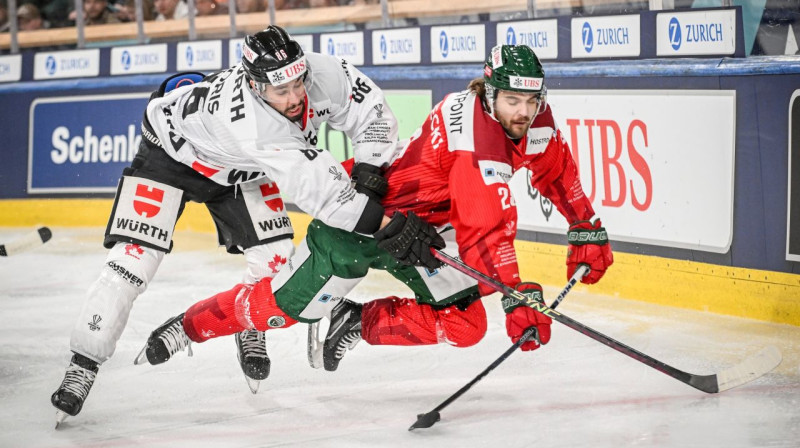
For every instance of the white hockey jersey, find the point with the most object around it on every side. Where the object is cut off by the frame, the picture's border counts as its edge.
(226, 132)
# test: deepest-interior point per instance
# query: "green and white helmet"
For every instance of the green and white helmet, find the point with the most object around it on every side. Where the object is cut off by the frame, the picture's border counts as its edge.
(515, 68)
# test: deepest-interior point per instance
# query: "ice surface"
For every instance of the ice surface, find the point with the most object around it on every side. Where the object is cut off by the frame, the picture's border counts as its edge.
(573, 393)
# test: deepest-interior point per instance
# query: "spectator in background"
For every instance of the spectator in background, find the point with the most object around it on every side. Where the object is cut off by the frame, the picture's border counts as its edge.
(3, 17)
(245, 6)
(29, 18)
(126, 10)
(96, 12)
(171, 10)
(322, 3)
(209, 8)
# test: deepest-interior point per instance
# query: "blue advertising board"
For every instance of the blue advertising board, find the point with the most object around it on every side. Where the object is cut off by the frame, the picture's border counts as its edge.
(81, 144)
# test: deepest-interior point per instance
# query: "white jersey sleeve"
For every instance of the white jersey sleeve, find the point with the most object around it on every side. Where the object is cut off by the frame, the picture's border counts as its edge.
(358, 108)
(224, 131)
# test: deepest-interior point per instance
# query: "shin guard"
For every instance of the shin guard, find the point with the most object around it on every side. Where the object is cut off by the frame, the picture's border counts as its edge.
(244, 307)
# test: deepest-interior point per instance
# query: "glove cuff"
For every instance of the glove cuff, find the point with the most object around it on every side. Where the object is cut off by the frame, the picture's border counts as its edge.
(392, 228)
(587, 232)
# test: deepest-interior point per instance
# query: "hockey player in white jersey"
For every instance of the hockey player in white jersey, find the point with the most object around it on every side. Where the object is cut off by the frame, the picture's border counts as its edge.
(228, 140)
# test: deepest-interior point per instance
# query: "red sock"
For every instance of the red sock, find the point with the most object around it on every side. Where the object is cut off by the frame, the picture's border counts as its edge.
(395, 321)
(242, 308)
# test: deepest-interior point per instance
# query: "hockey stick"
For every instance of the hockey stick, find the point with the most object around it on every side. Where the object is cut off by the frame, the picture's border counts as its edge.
(26, 242)
(430, 418)
(748, 370)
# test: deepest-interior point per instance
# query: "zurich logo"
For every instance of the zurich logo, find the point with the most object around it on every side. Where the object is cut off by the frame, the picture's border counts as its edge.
(50, 65)
(331, 47)
(189, 56)
(383, 46)
(443, 46)
(238, 51)
(588, 37)
(674, 33)
(511, 36)
(126, 60)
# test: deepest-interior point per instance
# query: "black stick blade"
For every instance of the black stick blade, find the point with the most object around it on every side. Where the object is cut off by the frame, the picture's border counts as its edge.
(426, 420)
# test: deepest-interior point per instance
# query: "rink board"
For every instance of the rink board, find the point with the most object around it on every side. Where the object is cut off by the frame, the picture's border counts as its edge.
(748, 293)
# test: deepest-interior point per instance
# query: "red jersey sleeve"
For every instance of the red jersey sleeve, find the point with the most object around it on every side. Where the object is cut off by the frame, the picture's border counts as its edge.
(555, 175)
(484, 216)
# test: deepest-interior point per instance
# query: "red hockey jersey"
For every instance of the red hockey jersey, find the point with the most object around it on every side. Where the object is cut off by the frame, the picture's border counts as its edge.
(456, 167)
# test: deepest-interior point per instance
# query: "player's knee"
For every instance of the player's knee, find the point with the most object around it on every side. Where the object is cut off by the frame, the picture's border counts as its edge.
(133, 264)
(464, 328)
(264, 261)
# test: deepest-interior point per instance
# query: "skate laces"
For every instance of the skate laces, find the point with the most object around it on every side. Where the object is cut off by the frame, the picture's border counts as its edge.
(78, 381)
(175, 339)
(252, 343)
(343, 314)
(348, 341)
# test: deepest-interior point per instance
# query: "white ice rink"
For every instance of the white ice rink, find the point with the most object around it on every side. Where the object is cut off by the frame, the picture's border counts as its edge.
(573, 393)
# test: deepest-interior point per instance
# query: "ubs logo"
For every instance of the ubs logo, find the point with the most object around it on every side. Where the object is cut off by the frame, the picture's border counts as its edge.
(383, 46)
(50, 65)
(331, 47)
(674, 29)
(511, 36)
(444, 47)
(126, 60)
(189, 56)
(587, 36)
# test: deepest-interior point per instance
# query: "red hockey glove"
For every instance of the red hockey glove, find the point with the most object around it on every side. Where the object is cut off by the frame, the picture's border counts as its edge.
(519, 316)
(588, 244)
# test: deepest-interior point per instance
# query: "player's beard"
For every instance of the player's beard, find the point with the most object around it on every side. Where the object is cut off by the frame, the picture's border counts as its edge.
(518, 127)
(297, 111)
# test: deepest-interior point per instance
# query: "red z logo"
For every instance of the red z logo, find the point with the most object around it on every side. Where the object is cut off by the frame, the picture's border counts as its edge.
(146, 209)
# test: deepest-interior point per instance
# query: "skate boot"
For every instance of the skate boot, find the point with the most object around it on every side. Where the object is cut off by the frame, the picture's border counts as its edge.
(78, 380)
(343, 333)
(165, 341)
(252, 354)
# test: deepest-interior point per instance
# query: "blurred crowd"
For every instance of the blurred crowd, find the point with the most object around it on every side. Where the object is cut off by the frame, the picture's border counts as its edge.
(43, 14)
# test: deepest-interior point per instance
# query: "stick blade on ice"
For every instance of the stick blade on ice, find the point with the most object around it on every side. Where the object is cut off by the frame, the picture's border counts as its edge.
(752, 368)
(26, 242)
(426, 420)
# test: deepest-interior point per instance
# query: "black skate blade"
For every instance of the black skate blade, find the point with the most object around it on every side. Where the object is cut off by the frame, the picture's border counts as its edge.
(426, 420)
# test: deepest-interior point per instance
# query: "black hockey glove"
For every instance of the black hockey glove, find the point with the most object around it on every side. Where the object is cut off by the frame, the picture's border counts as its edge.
(367, 179)
(410, 239)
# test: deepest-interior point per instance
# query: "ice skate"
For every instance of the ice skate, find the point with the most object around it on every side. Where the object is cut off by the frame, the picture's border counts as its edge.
(165, 341)
(78, 380)
(343, 333)
(252, 353)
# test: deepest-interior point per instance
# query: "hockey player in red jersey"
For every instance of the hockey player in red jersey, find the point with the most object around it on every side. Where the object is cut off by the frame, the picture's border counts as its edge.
(453, 175)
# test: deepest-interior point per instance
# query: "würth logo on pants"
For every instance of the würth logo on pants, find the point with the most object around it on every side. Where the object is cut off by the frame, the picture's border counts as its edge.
(147, 202)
